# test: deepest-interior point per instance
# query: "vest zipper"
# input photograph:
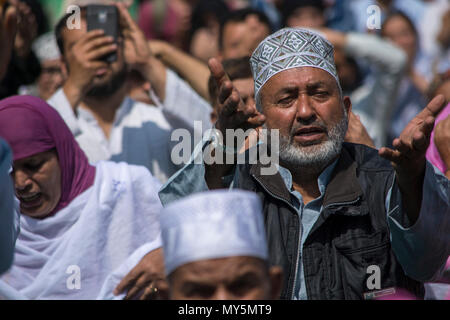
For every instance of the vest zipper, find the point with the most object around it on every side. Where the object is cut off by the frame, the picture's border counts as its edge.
(290, 292)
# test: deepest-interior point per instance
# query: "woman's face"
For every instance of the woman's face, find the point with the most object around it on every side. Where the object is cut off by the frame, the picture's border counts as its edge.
(37, 182)
(399, 31)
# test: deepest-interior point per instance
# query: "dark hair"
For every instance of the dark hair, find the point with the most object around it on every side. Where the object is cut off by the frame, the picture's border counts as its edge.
(238, 68)
(216, 8)
(240, 16)
(61, 25)
(289, 6)
(39, 15)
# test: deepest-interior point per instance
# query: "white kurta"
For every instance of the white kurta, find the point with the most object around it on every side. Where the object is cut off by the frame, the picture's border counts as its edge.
(141, 134)
(72, 254)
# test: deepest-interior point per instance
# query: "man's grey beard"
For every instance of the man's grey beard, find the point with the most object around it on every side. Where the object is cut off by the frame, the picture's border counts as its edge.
(109, 88)
(312, 159)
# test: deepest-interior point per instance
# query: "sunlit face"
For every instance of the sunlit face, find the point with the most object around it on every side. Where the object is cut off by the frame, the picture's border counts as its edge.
(233, 278)
(307, 108)
(108, 79)
(240, 39)
(50, 79)
(37, 182)
(399, 31)
(306, 17)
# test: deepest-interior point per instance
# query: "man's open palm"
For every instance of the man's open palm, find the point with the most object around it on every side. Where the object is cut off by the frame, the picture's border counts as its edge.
(408, 157)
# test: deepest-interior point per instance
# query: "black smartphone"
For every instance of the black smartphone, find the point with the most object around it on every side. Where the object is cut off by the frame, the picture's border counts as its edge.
(106, 18)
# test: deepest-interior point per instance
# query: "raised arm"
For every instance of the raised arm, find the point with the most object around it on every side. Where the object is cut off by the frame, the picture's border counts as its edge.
(233, 114)
(194, 71)
(408, 157)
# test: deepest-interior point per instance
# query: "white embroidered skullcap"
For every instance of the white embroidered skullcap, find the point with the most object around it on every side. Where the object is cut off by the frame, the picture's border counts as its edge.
(291, 48)
(45, 47)
(210, 225)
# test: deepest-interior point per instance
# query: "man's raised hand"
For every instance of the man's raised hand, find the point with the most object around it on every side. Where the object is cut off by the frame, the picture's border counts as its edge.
(408, 157)
(233, 112)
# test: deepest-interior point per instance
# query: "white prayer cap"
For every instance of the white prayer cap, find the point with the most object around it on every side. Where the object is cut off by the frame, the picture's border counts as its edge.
(45, 47)
(211, 225)
(291, 48)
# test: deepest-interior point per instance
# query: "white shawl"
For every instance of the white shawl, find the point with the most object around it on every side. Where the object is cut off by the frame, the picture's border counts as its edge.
(72, 254)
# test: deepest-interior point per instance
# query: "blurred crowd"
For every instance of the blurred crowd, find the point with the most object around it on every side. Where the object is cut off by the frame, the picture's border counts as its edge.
(392, 58)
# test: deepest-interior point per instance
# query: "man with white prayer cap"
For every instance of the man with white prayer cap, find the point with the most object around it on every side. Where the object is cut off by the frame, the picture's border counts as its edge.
(215, 248)
(51, 77)
(343, 220)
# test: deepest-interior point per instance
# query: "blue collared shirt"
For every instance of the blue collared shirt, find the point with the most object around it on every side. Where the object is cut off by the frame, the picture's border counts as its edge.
(308, 215)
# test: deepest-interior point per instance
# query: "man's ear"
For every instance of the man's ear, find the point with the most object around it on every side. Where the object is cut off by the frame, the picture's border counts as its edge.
(347, 105)
(276, 281)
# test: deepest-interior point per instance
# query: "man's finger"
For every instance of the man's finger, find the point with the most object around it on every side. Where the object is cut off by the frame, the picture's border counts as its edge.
(94, 65)
(225, 91)
(389, 154)
(434, 107)
(125, 19)
(90, 35)
(231, 104)
(139, 285)
(420, 142)
(403, 147)
(428, 126)
(98, 42)
(257, 121)
(217, 71)
(128, 281)
(11, 21)
(150, 293)
(96, 54)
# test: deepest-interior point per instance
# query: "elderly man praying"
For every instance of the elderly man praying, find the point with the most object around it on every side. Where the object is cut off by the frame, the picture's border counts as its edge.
(344, 221)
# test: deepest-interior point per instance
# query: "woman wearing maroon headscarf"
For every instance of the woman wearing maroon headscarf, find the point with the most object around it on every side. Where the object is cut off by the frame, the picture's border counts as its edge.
(79, 223)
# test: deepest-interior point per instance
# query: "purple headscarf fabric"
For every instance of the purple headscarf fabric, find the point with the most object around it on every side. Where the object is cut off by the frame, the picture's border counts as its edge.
(31, 126)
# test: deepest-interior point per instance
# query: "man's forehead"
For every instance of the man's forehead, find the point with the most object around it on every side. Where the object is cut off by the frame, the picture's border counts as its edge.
(300, 76)
(72, 35)
(220, 268)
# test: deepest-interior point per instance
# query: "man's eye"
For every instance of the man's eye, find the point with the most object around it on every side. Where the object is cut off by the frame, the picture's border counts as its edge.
(285, 100)
(34, 165)
(322, 93)
(200, 292)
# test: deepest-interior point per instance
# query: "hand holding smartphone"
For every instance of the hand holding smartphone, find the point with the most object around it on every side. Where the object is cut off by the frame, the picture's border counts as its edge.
(104, 17)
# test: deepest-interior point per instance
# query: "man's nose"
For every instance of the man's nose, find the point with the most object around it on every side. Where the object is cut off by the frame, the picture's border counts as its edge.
(306, 112)
(221, 294)
(147, 86)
